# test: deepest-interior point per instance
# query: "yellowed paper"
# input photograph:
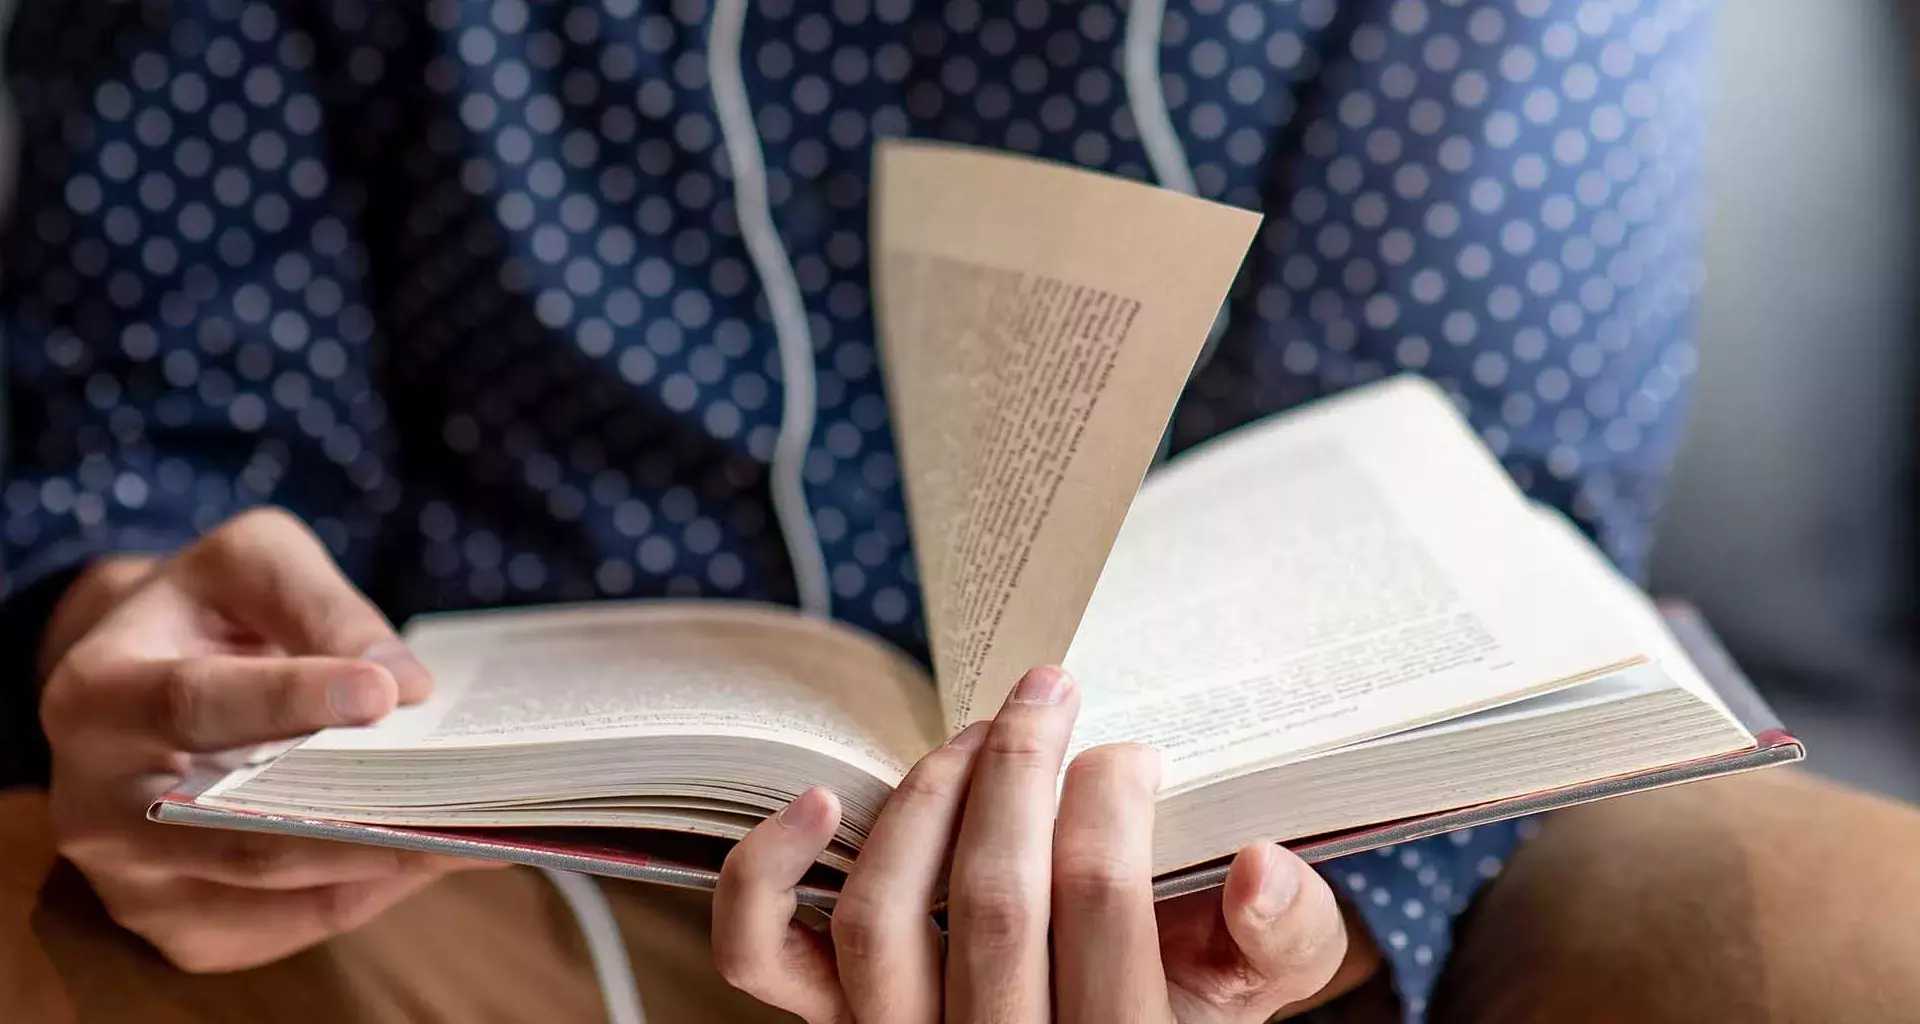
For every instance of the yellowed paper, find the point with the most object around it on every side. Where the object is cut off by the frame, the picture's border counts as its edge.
(1037, 323)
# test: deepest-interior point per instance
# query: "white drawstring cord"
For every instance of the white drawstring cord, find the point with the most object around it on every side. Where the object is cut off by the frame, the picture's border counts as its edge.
(775, 271)
(611, 966)
(771, 264)
(1147, 99)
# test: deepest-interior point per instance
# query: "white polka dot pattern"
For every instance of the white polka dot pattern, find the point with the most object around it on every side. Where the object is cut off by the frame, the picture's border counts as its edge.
(463, 284)
(1508, 203)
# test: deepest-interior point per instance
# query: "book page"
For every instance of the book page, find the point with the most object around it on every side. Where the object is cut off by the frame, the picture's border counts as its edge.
(1625, 604)
(1037, 324)
(706, 668)
(1354, 568)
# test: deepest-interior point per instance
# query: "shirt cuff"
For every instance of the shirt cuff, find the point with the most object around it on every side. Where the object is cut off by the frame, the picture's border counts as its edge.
(1411, 894)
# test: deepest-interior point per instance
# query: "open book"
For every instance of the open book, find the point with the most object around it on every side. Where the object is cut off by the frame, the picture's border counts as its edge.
(1342, 626)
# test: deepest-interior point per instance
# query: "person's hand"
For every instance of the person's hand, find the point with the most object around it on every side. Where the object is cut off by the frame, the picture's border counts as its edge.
(1049, 919)
(250, 635)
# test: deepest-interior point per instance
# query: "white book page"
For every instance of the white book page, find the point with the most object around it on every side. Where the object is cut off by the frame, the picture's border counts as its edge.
(1359, 567)
(704, 668)
(1625, 604)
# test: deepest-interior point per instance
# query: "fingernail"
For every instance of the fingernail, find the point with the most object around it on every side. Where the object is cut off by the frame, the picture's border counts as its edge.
(968, 738)
(357, 697)
(806, 811)
(1043, 685)
(395, 657)
(1279, 883)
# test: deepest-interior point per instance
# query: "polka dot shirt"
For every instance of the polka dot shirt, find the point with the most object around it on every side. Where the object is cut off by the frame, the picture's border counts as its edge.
(464, 285)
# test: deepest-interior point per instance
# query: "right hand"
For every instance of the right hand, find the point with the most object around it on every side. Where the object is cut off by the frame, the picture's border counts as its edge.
(1052, 918)
(248, 636)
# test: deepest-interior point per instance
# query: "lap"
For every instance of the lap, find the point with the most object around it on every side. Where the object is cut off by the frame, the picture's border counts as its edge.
(1766, 897)
(1773, 896)
(478, 946)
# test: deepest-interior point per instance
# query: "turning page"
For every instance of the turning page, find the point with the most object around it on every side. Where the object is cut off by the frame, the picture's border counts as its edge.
(1037, 323)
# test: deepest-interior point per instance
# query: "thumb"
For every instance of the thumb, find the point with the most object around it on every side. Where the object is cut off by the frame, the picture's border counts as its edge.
(267, 571)
(1284, 941)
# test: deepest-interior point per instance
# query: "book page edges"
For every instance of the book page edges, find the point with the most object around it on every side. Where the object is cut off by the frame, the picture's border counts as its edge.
(1777, 747)
(519, 847)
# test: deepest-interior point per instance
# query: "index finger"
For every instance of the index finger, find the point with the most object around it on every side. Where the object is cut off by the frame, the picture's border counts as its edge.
(266, 570)
(204, 705)
(998, 895)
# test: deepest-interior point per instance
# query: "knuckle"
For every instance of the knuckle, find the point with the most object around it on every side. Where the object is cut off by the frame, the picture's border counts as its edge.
(936, 779)
(996, 911)
(235, 543)
(1128, 767)
(78, 685)
(62, 701)
(268, 519)
(737, 868)
(186, 710)
(345, 624)
(1093, 879)
(285, 704)
(859, 927)
(1020, 743)
(225, 541)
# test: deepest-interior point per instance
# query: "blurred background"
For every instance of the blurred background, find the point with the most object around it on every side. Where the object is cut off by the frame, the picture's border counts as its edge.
(1792, 519)
(1793, 512)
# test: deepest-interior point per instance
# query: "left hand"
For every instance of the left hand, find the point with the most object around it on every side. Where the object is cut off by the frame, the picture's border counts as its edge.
(1051, 918)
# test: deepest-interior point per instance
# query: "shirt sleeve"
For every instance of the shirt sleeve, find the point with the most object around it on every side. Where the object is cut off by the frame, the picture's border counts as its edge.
(1504, 197)
(184, 306)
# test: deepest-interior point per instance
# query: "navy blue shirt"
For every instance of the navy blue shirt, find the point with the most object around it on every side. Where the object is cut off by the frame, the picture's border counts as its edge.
(463, 285)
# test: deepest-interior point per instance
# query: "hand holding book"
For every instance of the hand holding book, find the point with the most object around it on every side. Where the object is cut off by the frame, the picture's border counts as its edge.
(250, 636)
(1341, 627)
(1097, 950)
